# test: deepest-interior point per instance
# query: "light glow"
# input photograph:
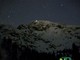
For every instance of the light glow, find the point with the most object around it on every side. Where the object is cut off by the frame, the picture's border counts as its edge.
(60, 58)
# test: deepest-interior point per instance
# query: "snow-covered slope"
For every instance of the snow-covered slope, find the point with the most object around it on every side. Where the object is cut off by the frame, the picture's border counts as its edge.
(42, 36)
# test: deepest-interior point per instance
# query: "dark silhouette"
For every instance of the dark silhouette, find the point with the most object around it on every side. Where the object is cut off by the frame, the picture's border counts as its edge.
(75, 52)
(0, 55)
(15, 52)
(7, 44)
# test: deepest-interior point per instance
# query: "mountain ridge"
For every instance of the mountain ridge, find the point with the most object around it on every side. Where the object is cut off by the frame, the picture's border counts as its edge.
(38, 32)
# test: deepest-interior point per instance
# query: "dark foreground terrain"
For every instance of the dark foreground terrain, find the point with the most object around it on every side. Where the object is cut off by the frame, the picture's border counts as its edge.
(13, 52)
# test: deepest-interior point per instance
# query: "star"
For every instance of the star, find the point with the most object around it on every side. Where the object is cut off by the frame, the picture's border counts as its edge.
(61, 5)
(8, 16)
(43, 6)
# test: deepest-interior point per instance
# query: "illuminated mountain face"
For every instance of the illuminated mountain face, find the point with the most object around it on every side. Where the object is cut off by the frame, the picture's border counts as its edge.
(48, 37)
(41, 39)
(43, 36)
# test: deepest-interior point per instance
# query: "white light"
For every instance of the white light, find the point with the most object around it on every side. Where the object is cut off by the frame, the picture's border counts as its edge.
(36, 21)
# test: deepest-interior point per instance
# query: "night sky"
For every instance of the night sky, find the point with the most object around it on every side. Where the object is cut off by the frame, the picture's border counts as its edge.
(23, 11)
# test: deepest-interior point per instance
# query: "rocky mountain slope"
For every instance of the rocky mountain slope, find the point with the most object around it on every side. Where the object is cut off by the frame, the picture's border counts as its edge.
(41, 36)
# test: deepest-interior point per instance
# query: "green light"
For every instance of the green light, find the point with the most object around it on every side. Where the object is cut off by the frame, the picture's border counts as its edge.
(60, 59)
(65, 58)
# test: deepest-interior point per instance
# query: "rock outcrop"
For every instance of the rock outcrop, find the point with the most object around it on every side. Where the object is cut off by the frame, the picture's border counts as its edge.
(40, 37)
